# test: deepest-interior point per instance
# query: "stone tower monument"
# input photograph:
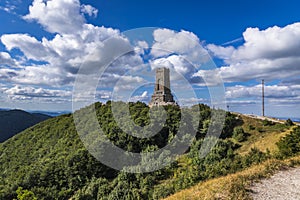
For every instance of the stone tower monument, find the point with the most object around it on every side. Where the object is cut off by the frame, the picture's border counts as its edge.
(162, 92)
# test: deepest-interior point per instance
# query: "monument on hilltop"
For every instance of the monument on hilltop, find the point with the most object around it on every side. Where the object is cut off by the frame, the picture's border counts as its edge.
(162, 92)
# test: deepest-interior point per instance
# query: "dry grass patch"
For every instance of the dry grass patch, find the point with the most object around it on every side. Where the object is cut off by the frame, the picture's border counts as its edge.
(262, 137)
(234, 186)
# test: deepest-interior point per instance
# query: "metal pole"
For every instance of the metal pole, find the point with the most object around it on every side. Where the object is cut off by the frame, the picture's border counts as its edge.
(263, 97)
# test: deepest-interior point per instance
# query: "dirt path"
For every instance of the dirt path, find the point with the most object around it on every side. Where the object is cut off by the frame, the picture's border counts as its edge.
(284, 185)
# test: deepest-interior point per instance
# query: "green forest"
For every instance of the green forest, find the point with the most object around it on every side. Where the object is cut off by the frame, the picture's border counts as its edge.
(49, 161)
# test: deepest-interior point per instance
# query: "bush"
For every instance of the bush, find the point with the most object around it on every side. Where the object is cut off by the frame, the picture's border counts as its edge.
(251, 127)
(260, 129)
(162, 191)
(289, 122)
(255, 156)
(290, 144)
(25, 194)
(239, 134)
(267, 123)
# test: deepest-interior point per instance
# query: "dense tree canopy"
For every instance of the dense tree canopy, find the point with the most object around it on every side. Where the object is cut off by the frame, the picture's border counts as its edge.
(49, 161)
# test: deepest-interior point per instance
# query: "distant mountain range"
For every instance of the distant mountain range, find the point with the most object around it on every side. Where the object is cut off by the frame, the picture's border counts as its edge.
(15, 121)
(50, 113)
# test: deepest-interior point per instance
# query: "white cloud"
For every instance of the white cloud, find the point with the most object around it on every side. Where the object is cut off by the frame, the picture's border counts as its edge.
(141, 46)
(127, 82)
(192, 101)
(183, 43)
(57, 16)
(30, 46)
(10, 6)
(272, 43)
(271, 91)
(90, 10)
(43, 75)
(180, 68)
(143, 97)
(221, 52)
(269, 54)
(178, 63)
(169, 40)
(63, 55)
(6, 59)
(31, 93)
(103, 94)
(181, 52)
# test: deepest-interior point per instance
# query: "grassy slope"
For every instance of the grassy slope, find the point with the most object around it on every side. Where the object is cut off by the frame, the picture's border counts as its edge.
(236, 186)
(262, 137)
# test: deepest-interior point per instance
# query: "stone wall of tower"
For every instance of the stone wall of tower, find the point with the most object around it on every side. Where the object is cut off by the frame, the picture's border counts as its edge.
(162, 81)
(162, 92)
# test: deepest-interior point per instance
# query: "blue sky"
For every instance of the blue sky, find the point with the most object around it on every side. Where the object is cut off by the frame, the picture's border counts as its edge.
(43, 44)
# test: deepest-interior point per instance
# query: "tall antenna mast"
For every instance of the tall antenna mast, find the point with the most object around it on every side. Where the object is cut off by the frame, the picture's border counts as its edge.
(263, 97)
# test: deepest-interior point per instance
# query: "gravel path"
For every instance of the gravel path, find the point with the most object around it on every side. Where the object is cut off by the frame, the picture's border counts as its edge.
(284, 185)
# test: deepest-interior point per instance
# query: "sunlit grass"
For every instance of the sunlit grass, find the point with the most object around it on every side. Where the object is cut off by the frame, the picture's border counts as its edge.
(234, 186)
(237, 186)
(262, 137)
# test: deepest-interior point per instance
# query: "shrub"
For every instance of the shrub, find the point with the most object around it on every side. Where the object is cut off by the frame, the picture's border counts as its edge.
(25, 194)
(255, 156)
(251, 127)
(289, 122)
(239, 134)
(260, 129)
(290, 144)
(267, 123)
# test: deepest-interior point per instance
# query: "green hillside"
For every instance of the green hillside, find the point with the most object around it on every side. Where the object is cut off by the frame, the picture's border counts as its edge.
(15, 121)
(49, 161)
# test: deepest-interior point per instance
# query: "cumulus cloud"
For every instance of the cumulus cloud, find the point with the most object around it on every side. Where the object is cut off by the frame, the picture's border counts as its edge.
(183, 43)
(176, 62)
(180, 68)
(169, 40)
(182, 52)
(103, 94)
(90, 10)
(141, 46)
(27, 93)
(272, 43)
(58, 59)
(271, 54)
(127, 82)
(30, 46)
(192, 101)
(59, 16)
(221, 52)
(6, 59)
(271, 91)
(281, 100)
